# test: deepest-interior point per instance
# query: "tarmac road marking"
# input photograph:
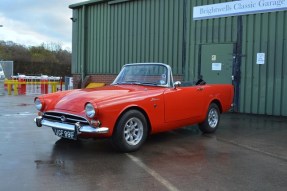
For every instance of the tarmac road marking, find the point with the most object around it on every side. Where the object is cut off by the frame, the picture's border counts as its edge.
(154, 174)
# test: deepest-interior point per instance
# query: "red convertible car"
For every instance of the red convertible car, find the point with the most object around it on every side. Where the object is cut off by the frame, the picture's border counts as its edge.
(142, 100)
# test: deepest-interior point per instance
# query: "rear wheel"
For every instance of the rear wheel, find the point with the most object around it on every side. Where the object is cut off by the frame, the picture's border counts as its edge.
(212, 119)
(130, 132)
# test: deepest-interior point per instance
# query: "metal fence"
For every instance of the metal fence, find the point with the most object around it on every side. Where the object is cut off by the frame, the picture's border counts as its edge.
(8, 67)
(2, 87)
(30, 85)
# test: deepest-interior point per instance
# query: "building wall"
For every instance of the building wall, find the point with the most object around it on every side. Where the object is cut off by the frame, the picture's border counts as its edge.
(263, 88)
(212, 31)
(106, 36)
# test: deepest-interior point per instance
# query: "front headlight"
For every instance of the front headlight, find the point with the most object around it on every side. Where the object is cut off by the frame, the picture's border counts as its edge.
(90, 110)
(38, 104)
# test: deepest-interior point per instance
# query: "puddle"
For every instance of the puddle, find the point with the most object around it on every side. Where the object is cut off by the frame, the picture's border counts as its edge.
(50, 163)
(24, 104)
(18, 114)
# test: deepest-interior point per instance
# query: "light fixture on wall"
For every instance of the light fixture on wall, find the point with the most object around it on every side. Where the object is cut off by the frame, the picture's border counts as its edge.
(73, 19)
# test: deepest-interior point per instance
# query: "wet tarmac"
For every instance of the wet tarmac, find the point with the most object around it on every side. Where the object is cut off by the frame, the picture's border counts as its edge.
(248, 152)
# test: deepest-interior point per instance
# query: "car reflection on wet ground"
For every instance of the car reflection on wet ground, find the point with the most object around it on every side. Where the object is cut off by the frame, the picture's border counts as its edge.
(248, 152)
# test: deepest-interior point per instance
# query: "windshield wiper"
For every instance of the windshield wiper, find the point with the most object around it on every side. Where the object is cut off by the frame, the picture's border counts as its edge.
(132, 82)
(142, 83)
(128, 82)
(150, 83)
(137, 83)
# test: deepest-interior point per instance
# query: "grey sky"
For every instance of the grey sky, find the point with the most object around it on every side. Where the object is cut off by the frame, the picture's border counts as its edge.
(32, 22)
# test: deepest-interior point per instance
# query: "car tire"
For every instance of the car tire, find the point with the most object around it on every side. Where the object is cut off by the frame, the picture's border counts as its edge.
(212, 119)
(130, 131)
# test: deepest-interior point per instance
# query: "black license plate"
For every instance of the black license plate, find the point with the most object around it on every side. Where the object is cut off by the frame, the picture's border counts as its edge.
(65, 133)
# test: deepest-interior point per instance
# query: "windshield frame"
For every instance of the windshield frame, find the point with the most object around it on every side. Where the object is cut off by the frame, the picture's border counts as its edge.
(169, 78)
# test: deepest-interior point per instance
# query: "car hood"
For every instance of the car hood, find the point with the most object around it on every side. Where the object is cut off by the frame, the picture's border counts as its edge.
(75, 100)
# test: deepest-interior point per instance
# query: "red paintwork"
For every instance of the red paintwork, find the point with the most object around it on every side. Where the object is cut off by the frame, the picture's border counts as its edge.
(165, 108)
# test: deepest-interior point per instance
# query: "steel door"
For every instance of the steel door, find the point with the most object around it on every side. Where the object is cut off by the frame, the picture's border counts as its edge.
(216, 64)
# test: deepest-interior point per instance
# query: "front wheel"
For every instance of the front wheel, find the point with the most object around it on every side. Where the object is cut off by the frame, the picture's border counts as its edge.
(212, 119)
(130, 132)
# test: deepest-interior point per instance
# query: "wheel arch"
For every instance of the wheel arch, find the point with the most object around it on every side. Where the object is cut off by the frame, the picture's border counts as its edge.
(218, 103)
(133, 108)
(212, 118)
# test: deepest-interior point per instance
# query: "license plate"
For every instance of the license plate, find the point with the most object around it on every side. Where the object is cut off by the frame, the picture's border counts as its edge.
(65, 133)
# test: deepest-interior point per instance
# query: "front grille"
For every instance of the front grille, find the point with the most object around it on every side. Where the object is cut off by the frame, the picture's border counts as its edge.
(65, 118)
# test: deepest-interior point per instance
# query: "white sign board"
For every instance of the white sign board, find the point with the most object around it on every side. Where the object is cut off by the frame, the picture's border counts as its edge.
(71, 82)
(216, 66)
(234, 8)
(260, 58)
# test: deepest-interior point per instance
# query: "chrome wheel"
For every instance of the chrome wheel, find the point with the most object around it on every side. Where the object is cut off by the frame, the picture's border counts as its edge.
(130, 132)
(213, 118)
(133, 131)
(210, 124)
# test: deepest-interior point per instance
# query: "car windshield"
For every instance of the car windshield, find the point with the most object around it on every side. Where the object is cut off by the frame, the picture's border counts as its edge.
(143, 74)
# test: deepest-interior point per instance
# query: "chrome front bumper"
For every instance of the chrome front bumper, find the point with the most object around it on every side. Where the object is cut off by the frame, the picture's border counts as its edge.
(76, 127)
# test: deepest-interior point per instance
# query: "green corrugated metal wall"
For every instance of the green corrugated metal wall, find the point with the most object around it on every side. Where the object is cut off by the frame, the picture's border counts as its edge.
(137, 31)
(264, 87)
(221, 30)
(107, 36)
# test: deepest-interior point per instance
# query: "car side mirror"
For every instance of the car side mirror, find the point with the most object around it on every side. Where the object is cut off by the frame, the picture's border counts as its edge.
(176, 84)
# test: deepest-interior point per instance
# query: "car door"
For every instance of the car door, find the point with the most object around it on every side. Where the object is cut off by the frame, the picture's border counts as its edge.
(184, 103)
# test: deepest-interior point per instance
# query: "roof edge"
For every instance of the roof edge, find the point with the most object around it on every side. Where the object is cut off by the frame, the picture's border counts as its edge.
(92, 2)
(78, 5)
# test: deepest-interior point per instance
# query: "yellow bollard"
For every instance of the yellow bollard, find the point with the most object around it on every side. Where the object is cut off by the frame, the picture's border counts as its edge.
(54, 86)
(6, 82)
(9, 87)
(15, 87)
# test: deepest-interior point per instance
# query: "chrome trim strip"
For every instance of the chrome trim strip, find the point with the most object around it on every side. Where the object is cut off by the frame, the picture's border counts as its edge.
(83, 129)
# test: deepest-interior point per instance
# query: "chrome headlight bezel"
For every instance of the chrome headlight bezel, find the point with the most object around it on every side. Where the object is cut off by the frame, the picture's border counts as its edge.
(90, 110)
(38, 104)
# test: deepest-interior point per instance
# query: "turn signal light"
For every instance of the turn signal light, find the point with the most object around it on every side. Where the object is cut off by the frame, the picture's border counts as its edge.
(96, 123)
